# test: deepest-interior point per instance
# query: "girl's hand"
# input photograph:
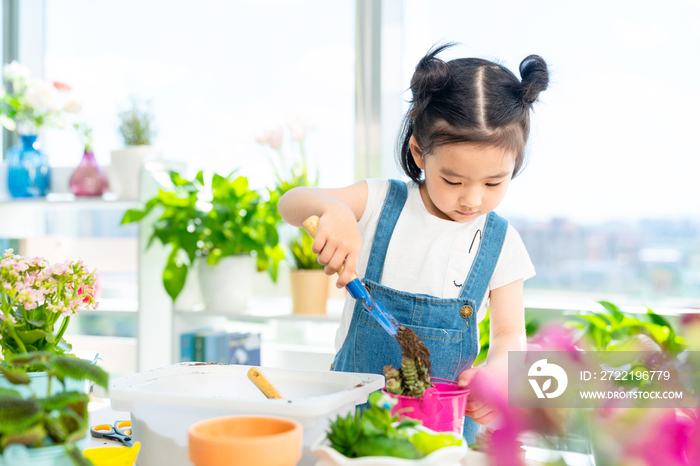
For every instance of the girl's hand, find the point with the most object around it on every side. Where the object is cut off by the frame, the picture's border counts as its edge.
(338, 243)
(481, 405)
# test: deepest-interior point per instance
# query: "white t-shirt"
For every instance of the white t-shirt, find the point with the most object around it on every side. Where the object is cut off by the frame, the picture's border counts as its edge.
(430, 255)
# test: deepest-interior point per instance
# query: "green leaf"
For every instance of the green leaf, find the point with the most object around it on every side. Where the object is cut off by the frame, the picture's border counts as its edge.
(14, 376)
(77, 457)
(75, 423)
(657, 319)
(80, 369)
(28, 436)
(133, 215)
(174, 276)
(428, 443)
(36, 323)
(30, 358)
(614, 310)
(384, 446)
(17, 414)
(62, 399)
(32, 336)
(56, 429)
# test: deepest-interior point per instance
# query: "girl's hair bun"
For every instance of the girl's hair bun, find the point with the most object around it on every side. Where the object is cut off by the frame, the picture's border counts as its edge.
(535, 78)
(431, 76)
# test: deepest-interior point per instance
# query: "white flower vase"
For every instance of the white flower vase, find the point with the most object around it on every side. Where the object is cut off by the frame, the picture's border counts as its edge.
(226, 286)
(125, 170)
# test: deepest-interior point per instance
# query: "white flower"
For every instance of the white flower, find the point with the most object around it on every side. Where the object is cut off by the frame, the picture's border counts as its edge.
(300, 126)
(8, 123)
(73, 106)
(41, 96)
(14, 71)
(271, 135)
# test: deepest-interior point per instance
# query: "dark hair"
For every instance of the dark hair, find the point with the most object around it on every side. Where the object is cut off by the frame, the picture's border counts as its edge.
(470, 100)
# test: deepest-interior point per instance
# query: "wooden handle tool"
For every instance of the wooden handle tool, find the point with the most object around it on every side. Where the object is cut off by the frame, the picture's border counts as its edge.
(263, 384)
(311, 227)
(358, 291)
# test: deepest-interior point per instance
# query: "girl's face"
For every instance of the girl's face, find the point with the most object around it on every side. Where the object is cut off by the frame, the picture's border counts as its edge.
(463, 181)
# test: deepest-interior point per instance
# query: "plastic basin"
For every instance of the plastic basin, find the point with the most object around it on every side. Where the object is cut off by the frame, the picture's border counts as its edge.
(165, 402)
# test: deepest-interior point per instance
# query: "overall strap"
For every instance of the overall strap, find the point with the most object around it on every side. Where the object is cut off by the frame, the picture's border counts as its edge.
(393, 205)
(485, 261)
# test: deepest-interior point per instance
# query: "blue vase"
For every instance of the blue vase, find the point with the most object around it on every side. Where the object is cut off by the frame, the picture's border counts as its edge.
(28, 171)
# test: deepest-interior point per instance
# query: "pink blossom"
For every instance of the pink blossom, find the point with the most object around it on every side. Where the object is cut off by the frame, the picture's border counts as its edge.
(667, 441)
(61, 86)
(88, 293)
(30, 305)
(21, 266)
(10, 317)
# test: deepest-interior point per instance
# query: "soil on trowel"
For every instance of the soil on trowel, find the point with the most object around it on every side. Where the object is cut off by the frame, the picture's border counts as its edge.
(414, 348)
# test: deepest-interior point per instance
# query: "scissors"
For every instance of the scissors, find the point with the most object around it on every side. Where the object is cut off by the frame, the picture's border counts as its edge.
(121, 432)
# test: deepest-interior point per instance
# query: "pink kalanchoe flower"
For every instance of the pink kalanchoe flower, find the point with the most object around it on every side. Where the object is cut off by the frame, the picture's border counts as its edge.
(87, 292)
(21, 266)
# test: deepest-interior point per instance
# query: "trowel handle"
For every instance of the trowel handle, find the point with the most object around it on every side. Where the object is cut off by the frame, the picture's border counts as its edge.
(311, 227)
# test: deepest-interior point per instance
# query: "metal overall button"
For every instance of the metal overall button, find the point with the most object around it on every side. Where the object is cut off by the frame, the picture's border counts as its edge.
(466, 311)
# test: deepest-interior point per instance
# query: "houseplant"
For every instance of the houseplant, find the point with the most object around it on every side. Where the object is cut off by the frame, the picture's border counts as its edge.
(30, 106)
(34, 295)
(137, 133)
(45, 426)
(220, 223)
(88, 179)
(290, 163)
(377, 436)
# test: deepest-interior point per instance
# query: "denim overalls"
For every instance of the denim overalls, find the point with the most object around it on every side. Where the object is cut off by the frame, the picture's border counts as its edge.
(448, 327)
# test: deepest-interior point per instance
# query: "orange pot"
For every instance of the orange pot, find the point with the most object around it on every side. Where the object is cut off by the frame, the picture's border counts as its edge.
(245, 440)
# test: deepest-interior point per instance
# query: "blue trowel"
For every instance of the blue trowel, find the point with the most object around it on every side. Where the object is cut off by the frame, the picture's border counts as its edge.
(358, 291)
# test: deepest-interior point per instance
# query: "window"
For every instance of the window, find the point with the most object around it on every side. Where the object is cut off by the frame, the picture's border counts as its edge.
(608, 203)
(215, 73)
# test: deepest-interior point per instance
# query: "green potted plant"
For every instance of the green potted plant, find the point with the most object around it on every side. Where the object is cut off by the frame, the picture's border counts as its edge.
(225, 225)
(379, 434)
(34, 297)
(309, 284)
(137, 133)
(46, 427)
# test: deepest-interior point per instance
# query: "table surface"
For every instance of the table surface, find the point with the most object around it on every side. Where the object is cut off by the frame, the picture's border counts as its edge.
(100, 412)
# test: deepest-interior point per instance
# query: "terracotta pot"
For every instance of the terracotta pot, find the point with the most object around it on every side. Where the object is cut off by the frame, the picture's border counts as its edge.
(245, 440)
(309, 291)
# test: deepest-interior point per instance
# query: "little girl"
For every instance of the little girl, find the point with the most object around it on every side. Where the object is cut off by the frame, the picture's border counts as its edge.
(432, 250)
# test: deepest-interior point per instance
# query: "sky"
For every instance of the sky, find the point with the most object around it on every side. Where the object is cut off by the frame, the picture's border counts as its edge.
(612, 138)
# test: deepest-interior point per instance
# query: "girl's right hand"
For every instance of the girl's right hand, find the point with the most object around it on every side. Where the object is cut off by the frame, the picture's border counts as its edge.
(338, 243)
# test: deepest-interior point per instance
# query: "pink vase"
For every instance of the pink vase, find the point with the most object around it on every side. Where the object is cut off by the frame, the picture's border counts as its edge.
(88, 179)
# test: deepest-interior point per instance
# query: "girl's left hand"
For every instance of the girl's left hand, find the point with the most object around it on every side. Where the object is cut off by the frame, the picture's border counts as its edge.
(481, 405)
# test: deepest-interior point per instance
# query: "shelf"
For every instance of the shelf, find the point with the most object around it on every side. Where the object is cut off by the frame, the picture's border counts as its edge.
(263, 309)
(68, 200)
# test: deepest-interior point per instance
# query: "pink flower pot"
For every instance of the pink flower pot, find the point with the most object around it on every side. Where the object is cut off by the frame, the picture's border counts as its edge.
(441, 408)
